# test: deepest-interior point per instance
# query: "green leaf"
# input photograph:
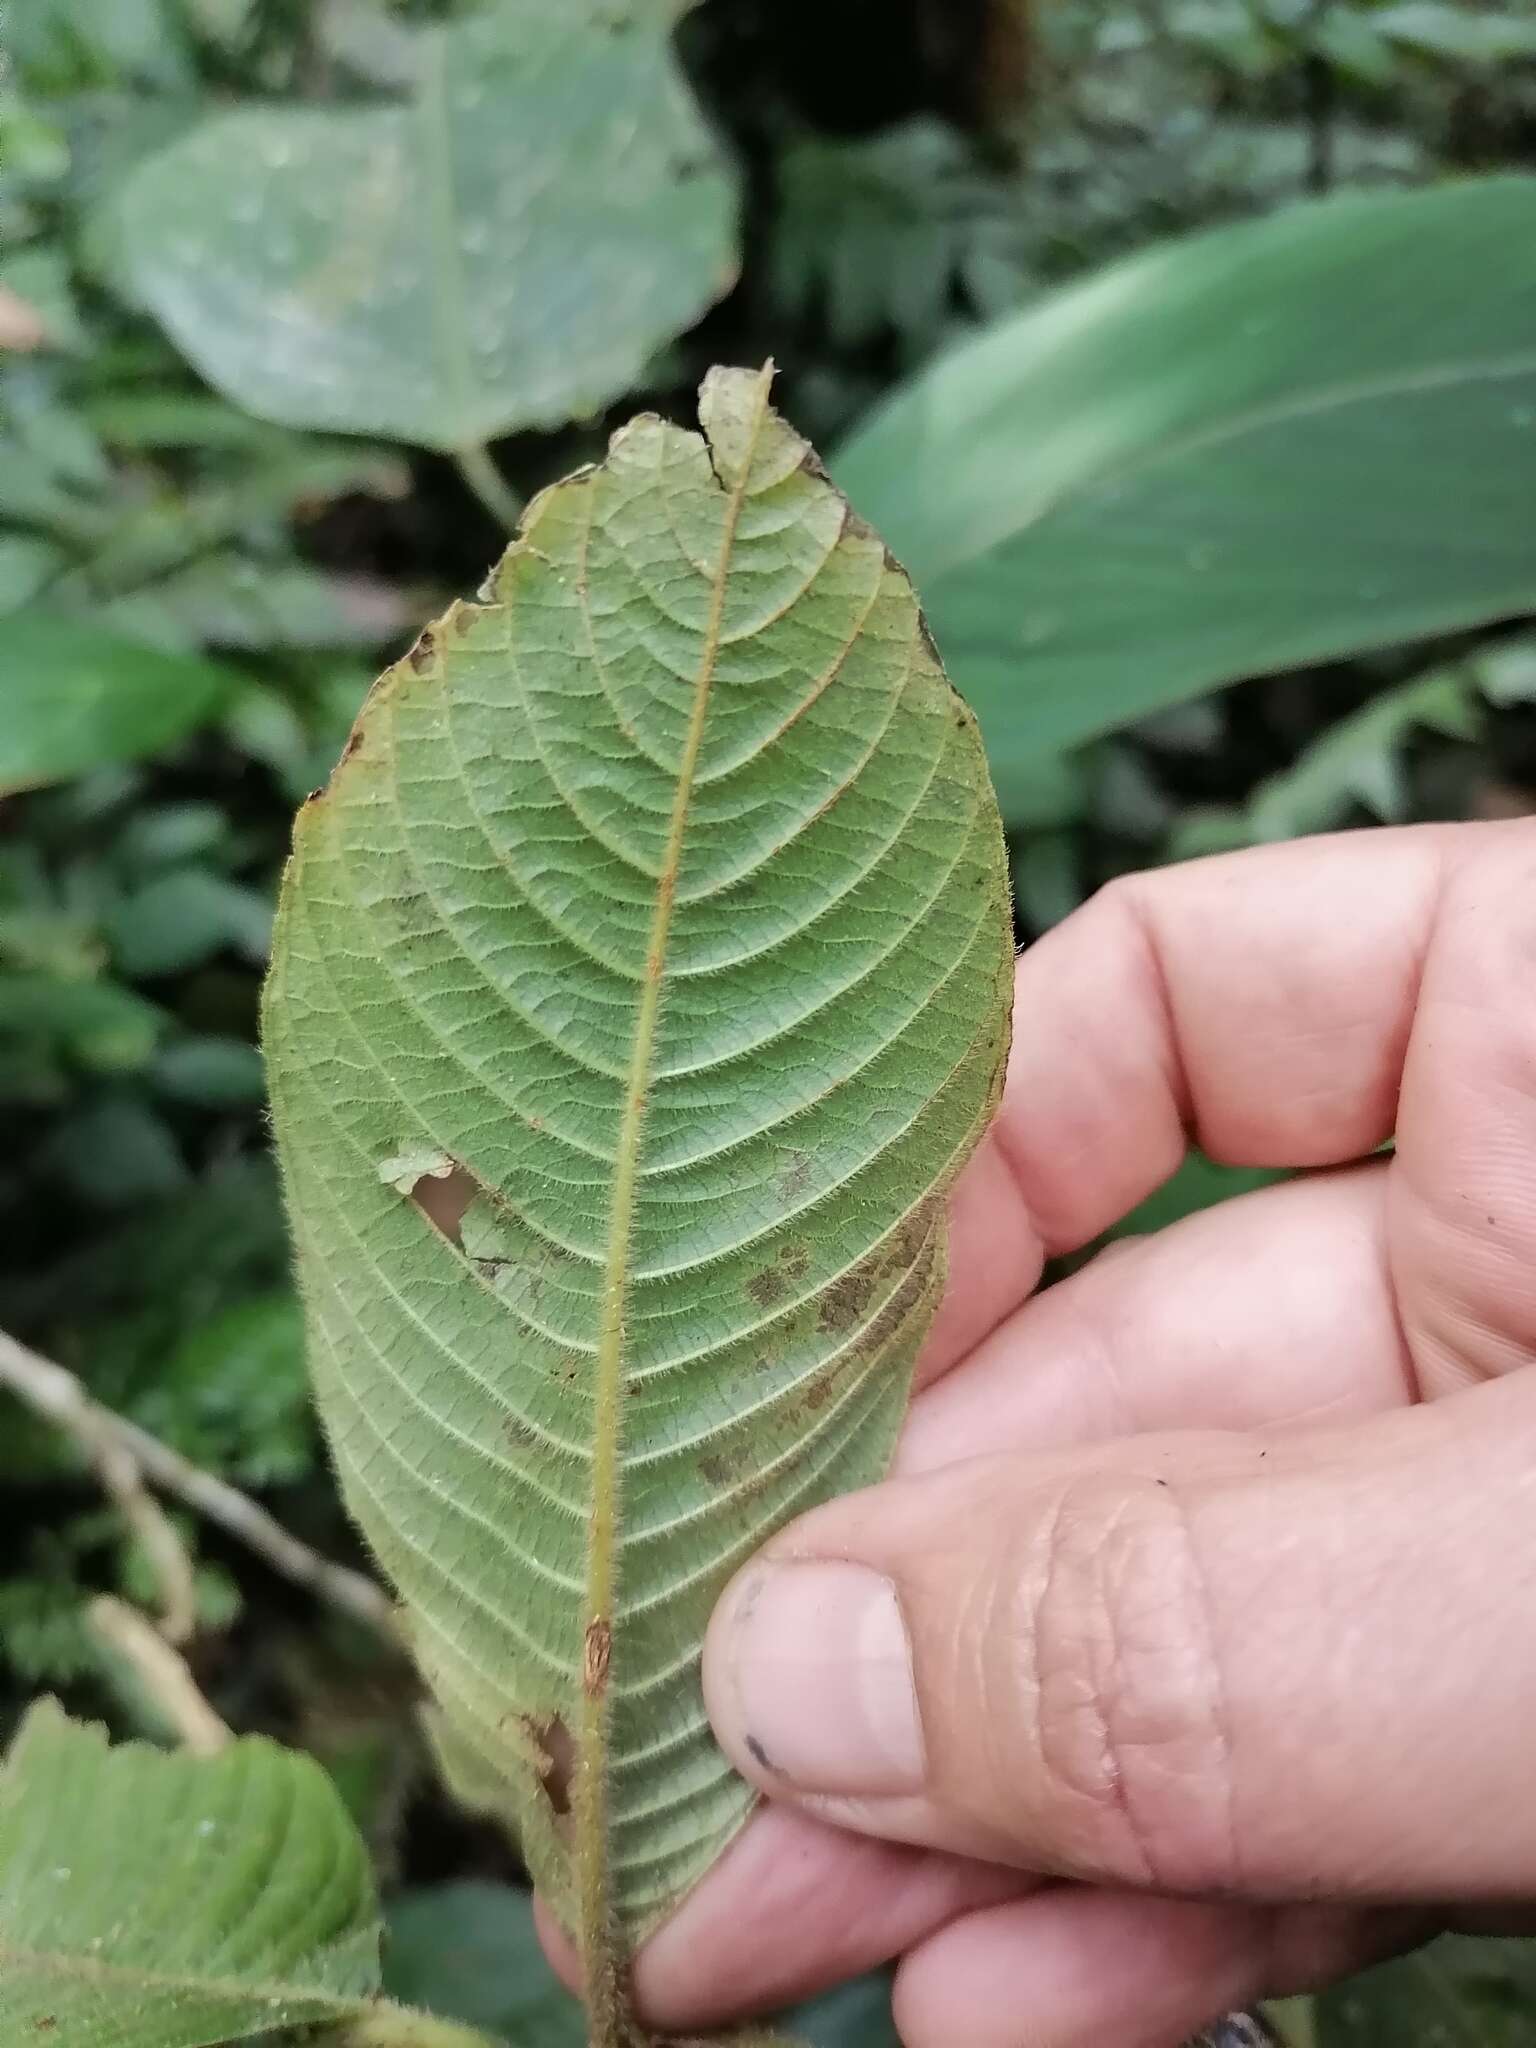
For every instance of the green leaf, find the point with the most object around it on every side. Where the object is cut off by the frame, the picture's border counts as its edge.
(856, 2015)
(1356, 761)
(40, 274)
(182, 917)
(878, 235)
(1198, 1184)
(470, 1952)
(116, 1153)
(1280, 442)
(210, 1072)
(101, 1025)
(26, 565)
(76, 698)
(1455, 1994)
(158, 1901)
(507, 249)
(1506, 673)
(640, 985)
(1482, 36)
(231, 1393)
(228, 600)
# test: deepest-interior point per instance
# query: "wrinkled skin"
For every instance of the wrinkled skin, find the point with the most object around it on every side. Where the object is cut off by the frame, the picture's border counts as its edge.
(1215, 1564)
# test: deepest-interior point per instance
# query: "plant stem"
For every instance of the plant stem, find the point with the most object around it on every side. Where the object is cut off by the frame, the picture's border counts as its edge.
(117, 1447)
(162, 1672)
(397, 2026)
(488, 484)
(53, 1394)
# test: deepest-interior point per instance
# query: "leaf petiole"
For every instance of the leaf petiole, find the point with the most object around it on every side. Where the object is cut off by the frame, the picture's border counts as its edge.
(474, 464)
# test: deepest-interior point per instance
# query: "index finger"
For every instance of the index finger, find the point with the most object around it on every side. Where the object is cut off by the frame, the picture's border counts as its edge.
(1257, 1004)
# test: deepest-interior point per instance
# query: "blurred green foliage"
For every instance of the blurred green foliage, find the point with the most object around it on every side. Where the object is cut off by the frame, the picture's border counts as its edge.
(192, 599)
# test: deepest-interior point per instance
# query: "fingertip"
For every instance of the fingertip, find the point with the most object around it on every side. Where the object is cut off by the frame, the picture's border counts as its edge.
(793, 1908)
(1075, 1968)
(559, 1949)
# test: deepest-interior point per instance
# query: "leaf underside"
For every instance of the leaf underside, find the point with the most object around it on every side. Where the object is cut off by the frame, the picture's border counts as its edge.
(641, 983)
(156, 1901)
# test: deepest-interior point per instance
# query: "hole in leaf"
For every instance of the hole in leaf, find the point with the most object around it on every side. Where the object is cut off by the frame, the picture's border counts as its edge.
(557, 1760)
(443, 1202)
(441, 1189)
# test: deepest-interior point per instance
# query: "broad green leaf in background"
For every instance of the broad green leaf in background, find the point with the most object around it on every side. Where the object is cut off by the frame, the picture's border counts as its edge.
(506, 249)
(157, 1901)
(470, 1951)
(640, 985)
(1457, 1993)
(1286, 440)
(73, 697)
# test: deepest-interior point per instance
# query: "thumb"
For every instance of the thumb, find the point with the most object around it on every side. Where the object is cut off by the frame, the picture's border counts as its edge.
(1213, 1664)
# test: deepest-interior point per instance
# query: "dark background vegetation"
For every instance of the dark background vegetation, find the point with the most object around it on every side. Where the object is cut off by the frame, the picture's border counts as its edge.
(911, 168)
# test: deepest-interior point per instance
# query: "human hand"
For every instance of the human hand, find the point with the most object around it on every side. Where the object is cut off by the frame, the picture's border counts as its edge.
(1214, 1567)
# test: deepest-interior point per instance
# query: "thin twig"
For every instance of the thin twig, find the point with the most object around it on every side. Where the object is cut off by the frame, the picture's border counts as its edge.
(119, 1472)
(53, 1394)
(162, 1671)
(488, 484)
(59, 1397)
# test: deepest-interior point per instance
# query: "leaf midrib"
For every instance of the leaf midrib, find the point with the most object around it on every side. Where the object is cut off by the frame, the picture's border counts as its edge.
(71, 1968)
(378, 2019)
(592, 1848)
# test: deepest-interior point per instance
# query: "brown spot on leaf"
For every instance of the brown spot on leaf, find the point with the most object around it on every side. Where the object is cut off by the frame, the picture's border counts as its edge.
(768, 1287)
(520, 1432)
(796, 1176)
(422, 654)
(596, 1653)
(873, 1339)
(847, 1298)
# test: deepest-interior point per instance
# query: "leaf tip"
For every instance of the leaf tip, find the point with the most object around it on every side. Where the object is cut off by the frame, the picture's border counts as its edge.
(751, 447)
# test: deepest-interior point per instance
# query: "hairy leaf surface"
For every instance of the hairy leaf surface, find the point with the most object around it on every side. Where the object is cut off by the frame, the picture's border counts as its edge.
(157, 1901)
(640, 985)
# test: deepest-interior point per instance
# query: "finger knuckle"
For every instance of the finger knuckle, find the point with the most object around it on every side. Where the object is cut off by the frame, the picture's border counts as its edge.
(1125, 1690)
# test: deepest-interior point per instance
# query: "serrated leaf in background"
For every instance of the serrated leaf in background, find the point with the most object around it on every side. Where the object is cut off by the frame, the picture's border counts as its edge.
(150, 1900)
(654, 934)
(508, 249)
